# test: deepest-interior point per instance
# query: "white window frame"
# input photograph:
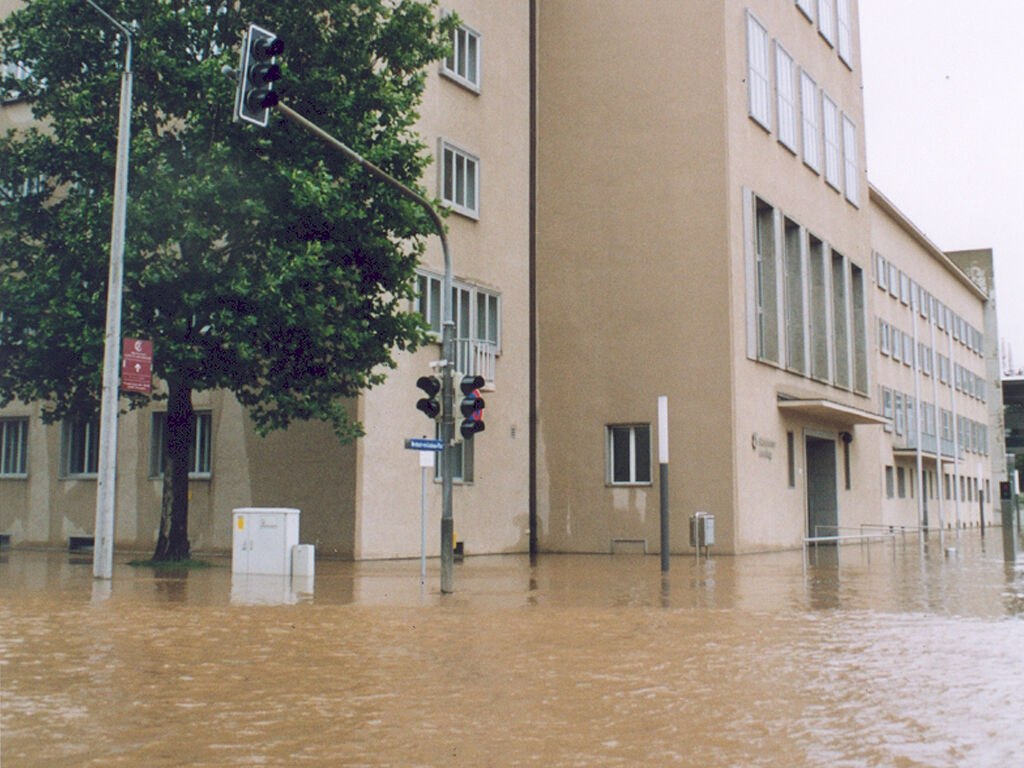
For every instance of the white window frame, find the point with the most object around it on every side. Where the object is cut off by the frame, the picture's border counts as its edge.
(806, 8)
(810, 122)
(464, 200)
(851, 167)
(883, 337)
(844, 32)
(833, 151)
(785, 97)
(13, 447)
(759, 88)
(887, 402)
(638, 434)
(827, 20)
(463, 64)
(882, 271)
(87, 433)
(428, 304)
(200, 453)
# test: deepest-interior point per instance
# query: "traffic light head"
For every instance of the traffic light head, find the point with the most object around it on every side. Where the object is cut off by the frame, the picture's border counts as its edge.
(472, 406)
(257, 74)
(430, 385)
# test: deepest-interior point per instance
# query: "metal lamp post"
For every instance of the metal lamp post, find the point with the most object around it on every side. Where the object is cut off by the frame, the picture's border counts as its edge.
(103, 549)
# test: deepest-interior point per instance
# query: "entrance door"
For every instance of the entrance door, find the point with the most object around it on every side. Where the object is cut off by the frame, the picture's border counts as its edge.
(822, 506)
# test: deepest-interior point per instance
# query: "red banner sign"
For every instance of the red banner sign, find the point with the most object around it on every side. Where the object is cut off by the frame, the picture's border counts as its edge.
(137, 366)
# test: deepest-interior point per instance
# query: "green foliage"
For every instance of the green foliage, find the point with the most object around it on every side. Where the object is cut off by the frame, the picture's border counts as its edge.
(256, 262)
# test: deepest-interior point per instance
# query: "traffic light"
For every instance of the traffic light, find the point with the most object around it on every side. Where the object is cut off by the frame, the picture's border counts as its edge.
(257, 74)
(431, 385)
(472, 406)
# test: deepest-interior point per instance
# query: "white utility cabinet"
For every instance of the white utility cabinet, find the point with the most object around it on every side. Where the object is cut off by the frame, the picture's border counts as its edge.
(263, 540)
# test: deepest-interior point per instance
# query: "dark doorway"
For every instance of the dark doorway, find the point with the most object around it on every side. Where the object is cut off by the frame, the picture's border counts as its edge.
(822, 505)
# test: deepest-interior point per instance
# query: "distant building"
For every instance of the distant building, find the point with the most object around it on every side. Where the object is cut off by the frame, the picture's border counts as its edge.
(649, 198)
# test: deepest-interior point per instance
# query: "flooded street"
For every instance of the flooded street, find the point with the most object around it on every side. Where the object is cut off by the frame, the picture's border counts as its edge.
(875, 655)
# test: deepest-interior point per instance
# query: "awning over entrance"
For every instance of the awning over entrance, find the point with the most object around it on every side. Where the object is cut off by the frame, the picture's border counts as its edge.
(829, 411)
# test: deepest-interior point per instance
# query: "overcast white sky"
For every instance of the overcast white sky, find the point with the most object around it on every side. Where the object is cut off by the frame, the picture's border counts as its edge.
(944, 113)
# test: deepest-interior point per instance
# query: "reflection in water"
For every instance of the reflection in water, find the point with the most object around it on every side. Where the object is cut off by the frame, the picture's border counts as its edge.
(866, 658)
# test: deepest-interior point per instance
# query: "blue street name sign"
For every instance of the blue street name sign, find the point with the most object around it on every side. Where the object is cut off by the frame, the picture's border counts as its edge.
(423, 444)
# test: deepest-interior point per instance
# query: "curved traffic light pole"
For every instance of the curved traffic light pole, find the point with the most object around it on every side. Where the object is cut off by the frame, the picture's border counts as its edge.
(447, 336)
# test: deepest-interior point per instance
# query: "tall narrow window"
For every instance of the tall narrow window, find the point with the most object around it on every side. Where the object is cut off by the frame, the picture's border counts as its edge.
(463, 64)
(887, 408)
(833, 156)
(860, 330)
(758, 73)
(200, 454)
(460, 173)
(840, 321)
(785, 92)
(827, 20)
(80, 447)
(629, 454)
(791, 459)
(13, 447)
(844, 32)
(807, 7)
(850, 165)
(463, 458)
(810, 122)
(795, 317)
(846, 437)
(767, 284)
(818, 319)
(881, 271)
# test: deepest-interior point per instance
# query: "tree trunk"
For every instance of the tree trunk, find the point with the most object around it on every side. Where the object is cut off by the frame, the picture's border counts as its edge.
(179, 435)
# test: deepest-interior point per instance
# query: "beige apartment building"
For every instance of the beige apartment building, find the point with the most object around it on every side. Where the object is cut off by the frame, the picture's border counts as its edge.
(363, 500)
(706, 232)
(648, 198)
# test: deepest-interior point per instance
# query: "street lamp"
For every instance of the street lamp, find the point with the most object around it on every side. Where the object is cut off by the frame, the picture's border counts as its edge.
(103, 542)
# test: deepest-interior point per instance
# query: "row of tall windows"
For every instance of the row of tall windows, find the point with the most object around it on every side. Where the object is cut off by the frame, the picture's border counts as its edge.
(459, 169)
(899, 408)
(834, 21)
(903, 288)
(476, 312)
(809, 122)
(80, 447)
(899, 345)
(806, 301)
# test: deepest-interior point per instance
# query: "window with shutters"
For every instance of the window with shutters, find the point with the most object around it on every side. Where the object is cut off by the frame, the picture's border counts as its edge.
(758, 73)
(833, 151)
(844, 32)
(810, 122)
(827, 20)
(850, 165)
(785, 92)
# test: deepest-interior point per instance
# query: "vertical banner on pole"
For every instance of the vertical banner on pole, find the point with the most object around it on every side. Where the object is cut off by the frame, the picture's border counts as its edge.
(663, 478)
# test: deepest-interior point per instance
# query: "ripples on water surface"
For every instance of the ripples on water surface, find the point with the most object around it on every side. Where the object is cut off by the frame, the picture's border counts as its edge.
(867, 658)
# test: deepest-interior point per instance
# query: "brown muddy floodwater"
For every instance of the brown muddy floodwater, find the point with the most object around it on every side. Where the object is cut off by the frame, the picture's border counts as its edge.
(873, 656)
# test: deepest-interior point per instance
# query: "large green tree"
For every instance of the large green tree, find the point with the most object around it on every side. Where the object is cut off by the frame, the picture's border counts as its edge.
(254, 261)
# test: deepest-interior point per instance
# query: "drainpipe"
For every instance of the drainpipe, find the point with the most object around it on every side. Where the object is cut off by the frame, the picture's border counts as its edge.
(939, 474)
(922, 513)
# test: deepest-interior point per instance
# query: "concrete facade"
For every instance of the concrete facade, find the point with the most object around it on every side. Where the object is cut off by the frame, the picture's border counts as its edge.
(671, 200)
